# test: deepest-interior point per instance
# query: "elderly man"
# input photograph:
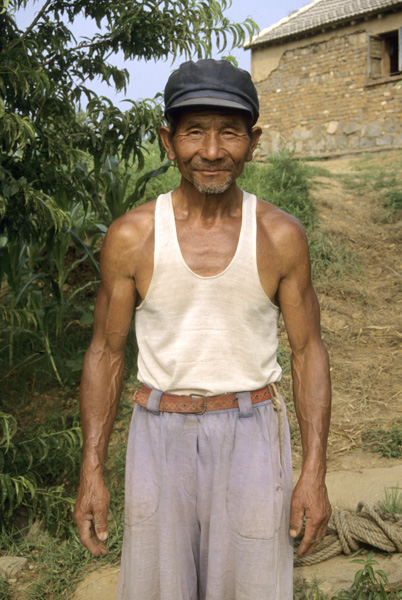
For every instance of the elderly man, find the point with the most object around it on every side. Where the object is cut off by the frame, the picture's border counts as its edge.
(207, 269)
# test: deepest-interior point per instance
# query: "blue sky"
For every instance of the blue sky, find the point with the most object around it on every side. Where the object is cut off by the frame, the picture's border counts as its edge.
(148, 78)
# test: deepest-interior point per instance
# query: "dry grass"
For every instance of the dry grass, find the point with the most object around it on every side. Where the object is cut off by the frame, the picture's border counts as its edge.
(361, 315)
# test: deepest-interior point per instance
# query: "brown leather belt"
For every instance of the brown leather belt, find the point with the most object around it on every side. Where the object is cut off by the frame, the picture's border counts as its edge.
(198, 405)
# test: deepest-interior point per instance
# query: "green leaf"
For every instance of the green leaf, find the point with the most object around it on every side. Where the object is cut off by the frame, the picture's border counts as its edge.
(87, 319)
(86, 248)
(8, 429)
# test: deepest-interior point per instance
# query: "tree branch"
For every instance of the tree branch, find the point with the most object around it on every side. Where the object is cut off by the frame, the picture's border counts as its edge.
(32, 25)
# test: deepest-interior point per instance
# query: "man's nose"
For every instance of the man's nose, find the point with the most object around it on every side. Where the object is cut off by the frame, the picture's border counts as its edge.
(211, 147)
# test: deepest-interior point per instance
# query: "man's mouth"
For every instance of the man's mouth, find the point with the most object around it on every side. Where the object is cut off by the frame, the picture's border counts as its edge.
(211, 170)
(222, 169)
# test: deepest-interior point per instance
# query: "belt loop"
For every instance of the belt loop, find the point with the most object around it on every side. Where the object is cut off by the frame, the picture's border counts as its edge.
(154, 401)
(245, 405)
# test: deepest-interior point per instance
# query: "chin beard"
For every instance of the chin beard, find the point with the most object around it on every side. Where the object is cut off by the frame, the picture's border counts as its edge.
(213, 188)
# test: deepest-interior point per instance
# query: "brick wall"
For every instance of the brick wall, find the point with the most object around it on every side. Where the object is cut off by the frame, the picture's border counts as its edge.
(319, 101)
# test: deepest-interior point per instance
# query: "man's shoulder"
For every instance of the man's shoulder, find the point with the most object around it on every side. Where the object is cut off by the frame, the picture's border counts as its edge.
(282, 238)
(128, 238)
(278, 225)
(134, 225)
(138, 217)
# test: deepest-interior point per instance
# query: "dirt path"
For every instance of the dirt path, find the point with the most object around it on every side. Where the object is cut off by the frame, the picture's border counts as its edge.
(362, 328)
(361, 320)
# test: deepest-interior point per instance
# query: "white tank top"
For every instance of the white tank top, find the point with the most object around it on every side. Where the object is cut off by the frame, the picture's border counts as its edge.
(206, 335)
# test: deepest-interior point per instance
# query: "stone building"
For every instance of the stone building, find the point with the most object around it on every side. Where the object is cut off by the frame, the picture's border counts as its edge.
(329, 78)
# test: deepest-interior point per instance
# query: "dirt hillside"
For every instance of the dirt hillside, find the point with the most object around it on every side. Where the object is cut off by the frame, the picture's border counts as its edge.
(361, 314)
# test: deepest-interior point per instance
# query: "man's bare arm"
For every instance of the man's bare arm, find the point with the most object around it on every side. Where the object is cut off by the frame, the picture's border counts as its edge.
(311, 389)
(101, 383)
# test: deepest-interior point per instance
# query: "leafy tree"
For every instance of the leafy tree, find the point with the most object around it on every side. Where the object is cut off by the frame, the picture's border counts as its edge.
(57, 164)
(58, 172)
(44, 74)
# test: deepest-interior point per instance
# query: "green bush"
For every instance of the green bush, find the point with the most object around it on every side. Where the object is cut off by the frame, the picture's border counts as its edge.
(386, 442)
(393, 200)
(164, 182)
(368, 583)
(284, 182)
(38, 468)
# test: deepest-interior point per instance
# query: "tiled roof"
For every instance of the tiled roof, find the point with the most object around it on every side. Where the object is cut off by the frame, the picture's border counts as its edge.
(320, 14)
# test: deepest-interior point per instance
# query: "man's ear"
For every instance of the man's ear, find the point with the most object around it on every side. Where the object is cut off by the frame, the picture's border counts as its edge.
(164, 133)
(255, 136)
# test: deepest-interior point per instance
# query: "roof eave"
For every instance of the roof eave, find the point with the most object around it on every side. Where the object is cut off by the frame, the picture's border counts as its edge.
(336, 24)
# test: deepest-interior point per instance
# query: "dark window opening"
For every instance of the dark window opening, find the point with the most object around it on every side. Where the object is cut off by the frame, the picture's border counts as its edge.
(391, 47)
(385, 54)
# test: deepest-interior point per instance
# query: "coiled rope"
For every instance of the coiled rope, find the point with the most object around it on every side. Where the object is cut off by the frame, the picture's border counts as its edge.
(347, 532)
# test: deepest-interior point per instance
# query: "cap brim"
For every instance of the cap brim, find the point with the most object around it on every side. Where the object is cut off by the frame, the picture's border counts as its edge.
(209, 102)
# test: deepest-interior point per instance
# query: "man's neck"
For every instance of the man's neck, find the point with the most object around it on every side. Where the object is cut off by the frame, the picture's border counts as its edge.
(189, 203)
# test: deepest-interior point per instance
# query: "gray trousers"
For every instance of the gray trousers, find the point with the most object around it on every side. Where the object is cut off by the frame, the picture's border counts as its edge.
(207, 506)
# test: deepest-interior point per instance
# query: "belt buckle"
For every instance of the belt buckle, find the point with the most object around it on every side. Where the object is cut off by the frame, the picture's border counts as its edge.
(204, 404)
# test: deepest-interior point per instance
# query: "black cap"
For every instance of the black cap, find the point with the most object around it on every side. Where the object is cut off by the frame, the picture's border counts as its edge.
(211, 82)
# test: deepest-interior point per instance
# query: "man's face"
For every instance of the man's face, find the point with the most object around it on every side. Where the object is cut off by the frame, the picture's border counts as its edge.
(210, 148)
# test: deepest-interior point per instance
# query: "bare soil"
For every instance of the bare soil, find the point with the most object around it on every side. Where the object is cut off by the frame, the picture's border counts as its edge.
(361, 314)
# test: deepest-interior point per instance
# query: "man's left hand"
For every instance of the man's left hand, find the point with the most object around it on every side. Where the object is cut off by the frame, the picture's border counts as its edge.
(309, 500)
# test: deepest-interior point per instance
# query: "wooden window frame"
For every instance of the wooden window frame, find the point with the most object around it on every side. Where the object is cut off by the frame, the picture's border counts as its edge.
(378, 59)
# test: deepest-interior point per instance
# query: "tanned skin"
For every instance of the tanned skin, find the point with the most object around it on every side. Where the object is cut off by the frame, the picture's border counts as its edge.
(210, 149)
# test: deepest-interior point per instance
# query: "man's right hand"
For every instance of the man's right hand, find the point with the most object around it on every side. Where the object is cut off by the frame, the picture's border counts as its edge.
(90, 514)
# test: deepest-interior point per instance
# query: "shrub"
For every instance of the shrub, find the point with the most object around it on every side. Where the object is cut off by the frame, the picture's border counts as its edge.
(36, 470)
(285, 182)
